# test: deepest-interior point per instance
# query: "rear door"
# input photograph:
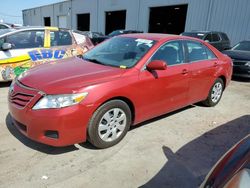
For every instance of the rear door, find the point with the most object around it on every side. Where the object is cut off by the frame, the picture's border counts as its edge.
(165, 90)
(62, 40)
(202, 66)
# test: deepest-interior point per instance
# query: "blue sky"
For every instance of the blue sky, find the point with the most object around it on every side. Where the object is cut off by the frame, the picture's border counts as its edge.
(11, 10)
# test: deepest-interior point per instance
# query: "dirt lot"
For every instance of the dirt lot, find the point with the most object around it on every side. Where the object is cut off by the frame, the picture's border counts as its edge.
(176, 150)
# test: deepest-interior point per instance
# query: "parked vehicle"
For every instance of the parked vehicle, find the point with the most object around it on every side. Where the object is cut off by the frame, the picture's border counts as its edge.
(94, 36)
(219, 40)
(8, 26)
(23, 48)
(121, 82)
(113, 34)
(233, 169)
(240, 54)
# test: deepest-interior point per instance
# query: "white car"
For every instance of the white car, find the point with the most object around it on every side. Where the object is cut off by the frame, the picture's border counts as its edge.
(25, 47)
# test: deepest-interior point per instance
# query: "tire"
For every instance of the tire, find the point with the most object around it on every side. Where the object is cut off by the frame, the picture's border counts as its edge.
(215, 93)
(105, 130)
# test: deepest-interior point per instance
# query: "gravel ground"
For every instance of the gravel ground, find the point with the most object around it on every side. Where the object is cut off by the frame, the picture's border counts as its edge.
(175, 150)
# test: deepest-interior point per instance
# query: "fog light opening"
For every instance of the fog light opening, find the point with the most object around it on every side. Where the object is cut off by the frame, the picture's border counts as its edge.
(52, 134)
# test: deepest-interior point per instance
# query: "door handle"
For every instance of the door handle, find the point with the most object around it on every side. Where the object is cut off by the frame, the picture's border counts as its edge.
(215, 64)
(184, 71)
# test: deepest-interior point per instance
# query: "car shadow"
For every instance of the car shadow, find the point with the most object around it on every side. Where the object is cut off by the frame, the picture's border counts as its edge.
(35, 145)
(162, 116)
(191, 163)
(59, 150)
(5, 84)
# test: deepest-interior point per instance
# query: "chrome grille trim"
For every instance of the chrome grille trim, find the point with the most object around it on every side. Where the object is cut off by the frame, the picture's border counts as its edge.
(22, 98)
(25, 87)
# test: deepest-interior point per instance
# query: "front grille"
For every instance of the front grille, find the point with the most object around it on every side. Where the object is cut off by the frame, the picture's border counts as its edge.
(238, 62)
(20, 99)
(21, 95)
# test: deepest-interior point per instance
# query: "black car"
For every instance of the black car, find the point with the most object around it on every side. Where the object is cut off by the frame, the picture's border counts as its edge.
(219, 40)
(240, 55)
(114, 33)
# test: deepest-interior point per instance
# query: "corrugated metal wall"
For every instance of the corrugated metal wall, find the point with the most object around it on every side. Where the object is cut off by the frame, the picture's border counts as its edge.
(229, 16)
(232, 17)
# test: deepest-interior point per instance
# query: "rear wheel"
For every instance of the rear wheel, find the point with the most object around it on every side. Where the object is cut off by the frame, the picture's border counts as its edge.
(109, 124)
(215, 93)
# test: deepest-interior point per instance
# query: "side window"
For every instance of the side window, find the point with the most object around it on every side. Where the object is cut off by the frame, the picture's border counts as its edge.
(198, 52)
(26, 39)
(224, 36)
(60, 38)
(1, 42)
(171, 52)
(215, 37)
(3, 27)
(210, 54)
(208, 37)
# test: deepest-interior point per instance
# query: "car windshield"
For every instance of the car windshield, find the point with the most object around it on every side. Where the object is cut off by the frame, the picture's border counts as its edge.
(121, 52)
(3, 31)
(195, 35)
(244, 46)
(115, 33)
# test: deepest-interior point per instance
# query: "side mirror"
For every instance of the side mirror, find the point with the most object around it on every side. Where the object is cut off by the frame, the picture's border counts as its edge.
(157, 65)
(6, 46)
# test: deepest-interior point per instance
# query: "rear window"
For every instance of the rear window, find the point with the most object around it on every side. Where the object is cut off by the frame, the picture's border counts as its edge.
(224, 36)
(198, 52)
(60, 38)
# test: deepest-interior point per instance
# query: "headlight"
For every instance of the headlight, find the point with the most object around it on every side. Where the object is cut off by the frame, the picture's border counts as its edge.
(247, 64)
(59, 101)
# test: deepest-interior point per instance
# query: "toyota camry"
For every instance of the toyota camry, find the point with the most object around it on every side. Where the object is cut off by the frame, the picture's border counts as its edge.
(121, 82)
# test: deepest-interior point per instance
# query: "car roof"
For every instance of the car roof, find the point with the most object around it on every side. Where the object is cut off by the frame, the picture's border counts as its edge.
(36, 27)
(157, 36)
(27, 28)
(204, 32)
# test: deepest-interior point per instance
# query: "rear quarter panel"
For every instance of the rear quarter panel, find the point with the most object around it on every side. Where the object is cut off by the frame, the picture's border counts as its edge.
(225, 65)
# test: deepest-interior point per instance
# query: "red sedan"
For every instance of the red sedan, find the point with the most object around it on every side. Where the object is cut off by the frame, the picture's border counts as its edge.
(121, 82)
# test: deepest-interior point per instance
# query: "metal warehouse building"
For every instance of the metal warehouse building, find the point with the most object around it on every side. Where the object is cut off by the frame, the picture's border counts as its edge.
(162, 16)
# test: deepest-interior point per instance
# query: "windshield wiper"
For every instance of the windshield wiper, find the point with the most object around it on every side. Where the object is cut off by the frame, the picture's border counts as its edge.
(93, 60)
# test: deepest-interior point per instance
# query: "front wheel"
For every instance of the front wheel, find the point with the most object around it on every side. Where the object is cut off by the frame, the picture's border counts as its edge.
(215, 93)
(109, 124)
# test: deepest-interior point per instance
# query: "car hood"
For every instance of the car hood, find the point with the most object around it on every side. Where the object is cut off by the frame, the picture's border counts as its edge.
(237, 54)
(68, 75)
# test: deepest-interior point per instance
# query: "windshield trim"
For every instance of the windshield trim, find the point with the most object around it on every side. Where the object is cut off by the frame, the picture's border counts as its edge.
(236, 45)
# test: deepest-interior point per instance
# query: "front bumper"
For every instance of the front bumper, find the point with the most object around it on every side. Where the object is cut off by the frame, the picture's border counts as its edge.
(69, 123)
(55, 127)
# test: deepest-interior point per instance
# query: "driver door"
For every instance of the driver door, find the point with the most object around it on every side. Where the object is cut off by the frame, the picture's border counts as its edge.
(162, 91)
(17, 56)
(22, 42)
